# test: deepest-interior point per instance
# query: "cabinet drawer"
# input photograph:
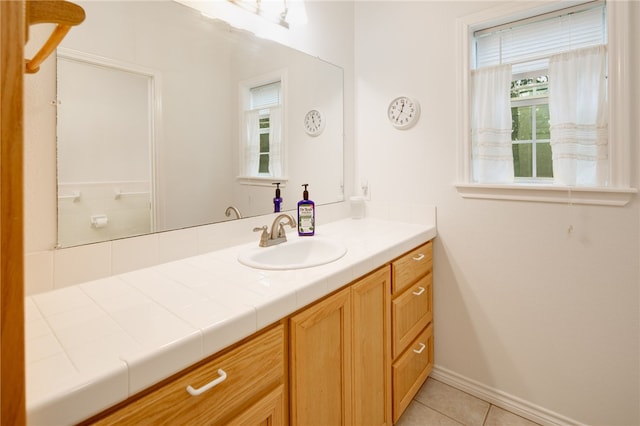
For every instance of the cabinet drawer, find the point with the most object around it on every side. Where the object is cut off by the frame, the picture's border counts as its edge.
(411, 370)
(411, 266)
(252, 370)
(411, 312)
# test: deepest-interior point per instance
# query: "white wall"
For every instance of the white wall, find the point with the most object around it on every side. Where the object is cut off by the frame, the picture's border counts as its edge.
(521, 306)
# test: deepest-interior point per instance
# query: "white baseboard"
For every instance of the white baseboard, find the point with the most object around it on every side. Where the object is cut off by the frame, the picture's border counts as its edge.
(502, 399)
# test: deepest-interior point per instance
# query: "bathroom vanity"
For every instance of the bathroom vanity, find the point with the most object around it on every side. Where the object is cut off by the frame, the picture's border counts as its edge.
(349, 342)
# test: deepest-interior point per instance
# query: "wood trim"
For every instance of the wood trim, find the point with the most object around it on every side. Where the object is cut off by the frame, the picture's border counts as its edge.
(63, 13)
(12, 386)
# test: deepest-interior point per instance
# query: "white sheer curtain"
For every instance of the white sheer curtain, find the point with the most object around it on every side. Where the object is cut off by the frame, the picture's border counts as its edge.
(492, 154)
(252, 143)
(275, 141)
(578, 117)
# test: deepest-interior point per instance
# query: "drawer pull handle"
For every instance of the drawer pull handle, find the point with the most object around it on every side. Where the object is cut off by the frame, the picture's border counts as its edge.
(419, 351)
(195, 392)
(419, 257)
(418, 293)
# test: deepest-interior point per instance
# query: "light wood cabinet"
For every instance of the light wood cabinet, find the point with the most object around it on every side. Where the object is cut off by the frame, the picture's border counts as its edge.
(411, 369)
(340, 357)
(411, 266)
(251, 394)
(372, 349)
(411, 311)
(356, 357)
(412, 324)
(268, 411)
(320, 366)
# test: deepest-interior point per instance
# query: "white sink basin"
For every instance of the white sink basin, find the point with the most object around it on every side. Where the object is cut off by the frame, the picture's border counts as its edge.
(303, 252)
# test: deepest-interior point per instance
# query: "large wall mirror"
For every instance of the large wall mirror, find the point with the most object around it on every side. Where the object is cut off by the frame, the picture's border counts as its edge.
(167, 118)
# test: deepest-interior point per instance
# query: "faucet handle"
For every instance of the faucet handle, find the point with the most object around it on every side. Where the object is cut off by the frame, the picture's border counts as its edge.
(264, 237)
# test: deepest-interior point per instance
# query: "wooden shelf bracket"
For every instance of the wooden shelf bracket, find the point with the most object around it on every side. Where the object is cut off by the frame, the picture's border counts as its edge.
(63, 13)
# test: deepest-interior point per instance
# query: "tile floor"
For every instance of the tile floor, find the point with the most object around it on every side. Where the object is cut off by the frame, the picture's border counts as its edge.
(439, 404)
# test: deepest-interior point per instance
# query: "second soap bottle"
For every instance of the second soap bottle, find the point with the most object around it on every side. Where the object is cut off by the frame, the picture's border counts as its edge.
(306, 214)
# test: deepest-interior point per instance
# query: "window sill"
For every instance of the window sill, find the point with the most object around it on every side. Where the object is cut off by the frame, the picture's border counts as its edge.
(548, 194)
(262, 181)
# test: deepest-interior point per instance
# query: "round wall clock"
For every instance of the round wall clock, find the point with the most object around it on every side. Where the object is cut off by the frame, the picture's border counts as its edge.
(314, 122)
(403, 112)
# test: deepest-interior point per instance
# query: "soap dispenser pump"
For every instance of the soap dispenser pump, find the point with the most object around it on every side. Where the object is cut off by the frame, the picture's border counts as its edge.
(277, 200)
(306, 214)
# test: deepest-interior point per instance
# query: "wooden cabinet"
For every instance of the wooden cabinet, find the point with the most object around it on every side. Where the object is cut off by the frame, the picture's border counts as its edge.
(357, 357)
(340, 357)
(267, 411)
(321, 362)
(411, 311)
(412, 318)
(411, 369)
(371, 349)
(251, 393)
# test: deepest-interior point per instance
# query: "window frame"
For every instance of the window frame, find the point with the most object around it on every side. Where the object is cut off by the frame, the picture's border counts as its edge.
(619, 191)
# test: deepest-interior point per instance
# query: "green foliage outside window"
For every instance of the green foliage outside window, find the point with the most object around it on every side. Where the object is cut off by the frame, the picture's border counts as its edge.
(263, 165)
(530, 128)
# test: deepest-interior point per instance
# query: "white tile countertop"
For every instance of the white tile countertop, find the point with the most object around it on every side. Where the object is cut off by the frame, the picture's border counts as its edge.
(92, 345)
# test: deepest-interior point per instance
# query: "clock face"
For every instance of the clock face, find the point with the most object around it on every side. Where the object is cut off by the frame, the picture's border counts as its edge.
(403, 112)
(314, 122)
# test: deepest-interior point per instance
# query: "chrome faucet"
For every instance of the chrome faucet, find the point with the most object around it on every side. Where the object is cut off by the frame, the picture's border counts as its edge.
(233, 209)
(277, 234)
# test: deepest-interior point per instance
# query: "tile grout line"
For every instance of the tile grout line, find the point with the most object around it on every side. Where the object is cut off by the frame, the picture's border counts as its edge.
(486, 415)
(438, 411)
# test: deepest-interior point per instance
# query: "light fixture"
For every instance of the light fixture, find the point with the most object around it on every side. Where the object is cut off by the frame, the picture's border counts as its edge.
(274, 11)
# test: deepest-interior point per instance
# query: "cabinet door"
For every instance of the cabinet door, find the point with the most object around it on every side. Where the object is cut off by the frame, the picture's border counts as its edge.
(321, 363)
(268, 411)
(372, 349)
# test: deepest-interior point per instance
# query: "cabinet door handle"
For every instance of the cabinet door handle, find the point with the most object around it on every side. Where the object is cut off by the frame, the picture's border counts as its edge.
(221, 378)
(419, 351)
(419, 257)
(419, 292)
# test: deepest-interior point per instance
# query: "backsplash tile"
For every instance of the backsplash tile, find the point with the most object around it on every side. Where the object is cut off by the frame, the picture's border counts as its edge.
(175, 245)
(57, 268)
(75, 265)
(130, 254)
(38, 269)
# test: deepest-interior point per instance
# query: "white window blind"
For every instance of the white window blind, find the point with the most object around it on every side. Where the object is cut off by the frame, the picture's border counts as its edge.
(527, 44)
(265, 96)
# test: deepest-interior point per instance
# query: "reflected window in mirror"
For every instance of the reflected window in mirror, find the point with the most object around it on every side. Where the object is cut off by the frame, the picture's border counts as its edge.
(265, 102)
(263, 139)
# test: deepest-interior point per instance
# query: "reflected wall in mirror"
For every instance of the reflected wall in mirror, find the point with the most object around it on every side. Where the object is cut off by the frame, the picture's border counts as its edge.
(155, 123)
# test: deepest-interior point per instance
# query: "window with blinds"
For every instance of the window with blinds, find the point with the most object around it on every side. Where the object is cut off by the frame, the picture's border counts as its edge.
(265, 96)
(533, 72)
(527, 44)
